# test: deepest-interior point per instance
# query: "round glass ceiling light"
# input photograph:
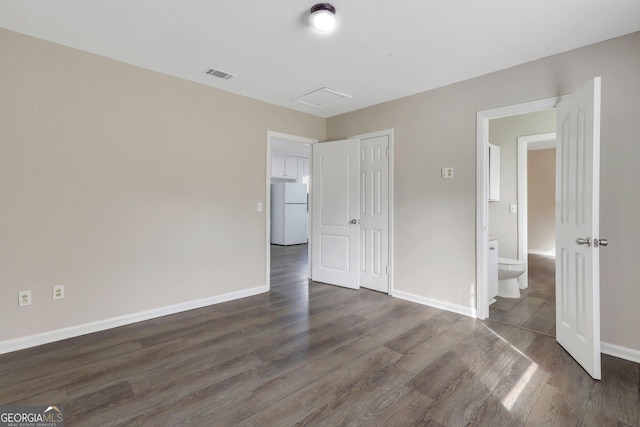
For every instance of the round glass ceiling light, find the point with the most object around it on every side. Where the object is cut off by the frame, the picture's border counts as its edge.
(323, 17)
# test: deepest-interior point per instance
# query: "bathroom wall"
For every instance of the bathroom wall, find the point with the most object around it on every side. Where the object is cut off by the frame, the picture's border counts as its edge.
(505, 132)
(541, 187)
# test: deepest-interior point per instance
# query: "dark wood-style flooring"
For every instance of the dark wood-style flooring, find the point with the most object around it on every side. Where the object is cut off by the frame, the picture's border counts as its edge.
(319, 355)
(535, 310)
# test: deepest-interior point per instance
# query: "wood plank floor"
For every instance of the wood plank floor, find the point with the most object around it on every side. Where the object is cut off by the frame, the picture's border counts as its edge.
(312, 354)
(535, 310)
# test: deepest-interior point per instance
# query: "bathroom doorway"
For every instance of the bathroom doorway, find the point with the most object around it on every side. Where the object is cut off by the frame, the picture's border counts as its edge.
(523, 219)
(577, 210)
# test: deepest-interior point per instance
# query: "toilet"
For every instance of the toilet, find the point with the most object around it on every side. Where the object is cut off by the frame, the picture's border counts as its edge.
(508, 272)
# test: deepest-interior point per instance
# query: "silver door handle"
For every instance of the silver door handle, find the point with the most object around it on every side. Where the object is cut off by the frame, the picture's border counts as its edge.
(600, 242)
(354, 221)
(583, 241)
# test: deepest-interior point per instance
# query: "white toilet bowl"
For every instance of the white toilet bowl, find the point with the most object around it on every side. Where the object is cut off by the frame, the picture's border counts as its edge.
(508, 272)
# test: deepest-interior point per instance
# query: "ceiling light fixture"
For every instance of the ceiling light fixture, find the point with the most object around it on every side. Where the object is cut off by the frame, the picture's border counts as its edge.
(323, 17)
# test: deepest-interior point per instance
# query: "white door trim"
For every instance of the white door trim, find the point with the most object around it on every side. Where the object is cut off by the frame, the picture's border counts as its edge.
(525, 143)
(267, 204)
(482, 180)
(390, 134)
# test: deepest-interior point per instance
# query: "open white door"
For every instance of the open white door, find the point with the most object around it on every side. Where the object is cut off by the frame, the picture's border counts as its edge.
(577, 226)
(374, 213)
(335, 213)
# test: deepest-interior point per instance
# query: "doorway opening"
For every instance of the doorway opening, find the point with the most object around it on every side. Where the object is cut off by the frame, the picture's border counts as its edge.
(483, 297)
(288, 186)
(373, 192)
(577, 202)
(525, 230)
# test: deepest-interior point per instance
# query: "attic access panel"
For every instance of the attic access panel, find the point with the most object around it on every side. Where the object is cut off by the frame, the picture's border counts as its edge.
(321, 97)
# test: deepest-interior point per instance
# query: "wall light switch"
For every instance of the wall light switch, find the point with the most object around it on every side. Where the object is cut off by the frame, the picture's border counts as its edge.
(259, 207)
(447, 173)
(513, 208)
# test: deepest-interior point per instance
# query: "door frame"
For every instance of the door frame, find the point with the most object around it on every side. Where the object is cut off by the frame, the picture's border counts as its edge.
(482, 181)
(539, 141)
(390, 134)
(267, 205)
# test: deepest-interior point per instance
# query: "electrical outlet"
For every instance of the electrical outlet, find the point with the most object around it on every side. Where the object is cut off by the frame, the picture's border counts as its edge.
(447, 173)
(24, 298)
(58, 292)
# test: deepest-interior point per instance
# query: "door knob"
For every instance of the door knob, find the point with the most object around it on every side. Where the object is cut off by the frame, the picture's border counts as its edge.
(600, 242)
(354, 221)
(583, 241)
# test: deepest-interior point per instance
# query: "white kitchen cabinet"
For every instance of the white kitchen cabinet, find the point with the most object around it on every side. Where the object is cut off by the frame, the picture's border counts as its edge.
(284, 167)
(494, 173)
(300, 170)
(303, 171)
(277, 167)
(290, 168)
(492, 270)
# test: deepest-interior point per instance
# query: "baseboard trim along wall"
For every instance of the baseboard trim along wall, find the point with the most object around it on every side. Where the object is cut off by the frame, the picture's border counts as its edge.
(455, 308)
(620, 352)
(606, 348)
(101, 325)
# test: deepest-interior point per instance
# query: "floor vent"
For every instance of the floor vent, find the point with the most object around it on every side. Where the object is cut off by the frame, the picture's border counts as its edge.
(217, 73)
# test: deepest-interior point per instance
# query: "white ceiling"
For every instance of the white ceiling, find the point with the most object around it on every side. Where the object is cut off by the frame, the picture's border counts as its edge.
(381, 49)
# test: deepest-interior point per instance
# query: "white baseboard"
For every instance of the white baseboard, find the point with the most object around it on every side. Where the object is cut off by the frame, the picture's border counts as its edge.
(544, 253)
(621, 352)
(101, 325)
(455, 308)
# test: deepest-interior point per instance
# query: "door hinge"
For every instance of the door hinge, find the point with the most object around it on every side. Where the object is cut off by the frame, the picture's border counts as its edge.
(387, 269)
(387, 151)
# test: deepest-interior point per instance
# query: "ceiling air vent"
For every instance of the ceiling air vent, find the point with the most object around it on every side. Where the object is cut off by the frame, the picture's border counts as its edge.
(218, 73)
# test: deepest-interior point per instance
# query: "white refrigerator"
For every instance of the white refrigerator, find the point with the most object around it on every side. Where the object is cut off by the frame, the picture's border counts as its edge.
(288, 213)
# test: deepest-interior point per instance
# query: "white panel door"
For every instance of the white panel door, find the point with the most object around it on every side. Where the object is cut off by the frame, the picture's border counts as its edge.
(374, 213)
(335, 213)
(577, 217)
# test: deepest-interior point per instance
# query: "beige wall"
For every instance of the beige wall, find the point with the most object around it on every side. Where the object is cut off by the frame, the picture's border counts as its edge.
(435, 218)
(541, 194)
(505, 132)
(114, 182)
(133, 189)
